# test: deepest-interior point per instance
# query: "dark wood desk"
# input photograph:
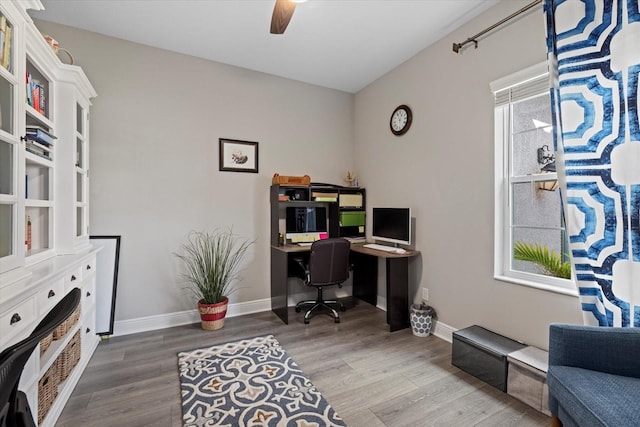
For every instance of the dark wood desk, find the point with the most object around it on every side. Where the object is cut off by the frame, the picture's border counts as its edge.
(365, 280)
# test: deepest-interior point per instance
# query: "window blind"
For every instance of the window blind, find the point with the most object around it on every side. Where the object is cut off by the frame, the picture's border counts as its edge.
(523, 91)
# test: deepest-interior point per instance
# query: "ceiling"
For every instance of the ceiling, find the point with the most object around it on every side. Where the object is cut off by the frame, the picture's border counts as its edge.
(339, 44)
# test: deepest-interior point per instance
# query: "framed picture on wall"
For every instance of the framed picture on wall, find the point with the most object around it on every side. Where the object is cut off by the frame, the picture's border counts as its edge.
(238, 156)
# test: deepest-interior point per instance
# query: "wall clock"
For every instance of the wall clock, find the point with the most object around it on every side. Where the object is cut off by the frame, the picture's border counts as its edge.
(400, 120)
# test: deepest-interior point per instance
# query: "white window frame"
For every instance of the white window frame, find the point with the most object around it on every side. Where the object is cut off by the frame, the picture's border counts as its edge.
(503, 250)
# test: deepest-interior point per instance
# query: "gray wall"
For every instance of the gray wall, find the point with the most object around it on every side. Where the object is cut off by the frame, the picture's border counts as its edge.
(154, 157)
(154, 172)
(443, 169)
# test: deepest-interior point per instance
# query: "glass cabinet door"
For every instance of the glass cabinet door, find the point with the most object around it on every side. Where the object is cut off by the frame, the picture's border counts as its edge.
(82, 173)
(8, 199)
(39, 164)
(9, 140)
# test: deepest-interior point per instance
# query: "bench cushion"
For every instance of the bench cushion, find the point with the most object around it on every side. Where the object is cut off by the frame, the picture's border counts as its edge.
(594, 398)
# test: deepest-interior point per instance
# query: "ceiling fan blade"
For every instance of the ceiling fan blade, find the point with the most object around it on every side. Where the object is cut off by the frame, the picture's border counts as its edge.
(282, 13)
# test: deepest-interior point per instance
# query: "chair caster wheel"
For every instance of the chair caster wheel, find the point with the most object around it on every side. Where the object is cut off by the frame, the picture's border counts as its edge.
(306, 321)
(298, 309)
(337, 320)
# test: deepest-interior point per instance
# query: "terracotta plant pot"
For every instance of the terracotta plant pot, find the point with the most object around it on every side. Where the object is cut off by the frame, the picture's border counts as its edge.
(212, 315)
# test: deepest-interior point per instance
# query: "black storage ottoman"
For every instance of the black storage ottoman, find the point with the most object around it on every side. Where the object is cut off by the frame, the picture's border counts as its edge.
(483, 354)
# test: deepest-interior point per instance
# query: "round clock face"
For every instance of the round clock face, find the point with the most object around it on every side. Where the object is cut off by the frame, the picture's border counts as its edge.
(400, 120)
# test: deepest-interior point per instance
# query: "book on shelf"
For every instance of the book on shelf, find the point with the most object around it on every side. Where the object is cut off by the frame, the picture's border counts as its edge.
(28, 86)
(36, 95)
(35, 143)
(33, 149)
(36, 133)
(322, 196)
(5, 35)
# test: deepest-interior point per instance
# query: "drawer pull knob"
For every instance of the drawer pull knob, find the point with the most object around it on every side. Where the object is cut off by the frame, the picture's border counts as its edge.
(51, 294)
(88, 293)
(88, 267)
(15, 318)
(73, 277)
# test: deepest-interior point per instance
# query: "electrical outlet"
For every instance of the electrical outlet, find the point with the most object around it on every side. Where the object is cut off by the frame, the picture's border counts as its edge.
(425, 294)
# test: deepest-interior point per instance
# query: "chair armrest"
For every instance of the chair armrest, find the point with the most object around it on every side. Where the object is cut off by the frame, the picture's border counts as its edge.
(604, 349)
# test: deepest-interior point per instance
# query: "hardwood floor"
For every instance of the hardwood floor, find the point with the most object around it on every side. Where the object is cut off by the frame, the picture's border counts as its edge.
(370, 376)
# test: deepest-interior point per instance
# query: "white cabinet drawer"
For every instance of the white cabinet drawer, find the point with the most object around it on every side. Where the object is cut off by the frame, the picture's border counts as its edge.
(50, 295)
(73, 279)
(17, 320)
(89, 293)
(89, 268)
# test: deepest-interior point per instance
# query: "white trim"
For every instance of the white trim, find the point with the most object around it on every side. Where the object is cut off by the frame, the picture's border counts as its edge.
(537, 285)
(520, 77)
(161, 321)
(443, 331)
(187, 317)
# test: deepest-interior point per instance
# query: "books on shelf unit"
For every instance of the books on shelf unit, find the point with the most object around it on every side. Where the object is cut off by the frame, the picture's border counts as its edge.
(6, 32)
(36, 96)
(321, 196)
(38, 134)
(38, 150)
(39, 141)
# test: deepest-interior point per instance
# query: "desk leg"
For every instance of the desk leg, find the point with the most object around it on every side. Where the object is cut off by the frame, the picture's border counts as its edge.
(398, 293)
(279, 285)
(365, 277)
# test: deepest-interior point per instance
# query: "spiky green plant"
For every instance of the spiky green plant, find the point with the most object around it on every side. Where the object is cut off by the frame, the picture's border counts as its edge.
(549, 261)
(212, 260)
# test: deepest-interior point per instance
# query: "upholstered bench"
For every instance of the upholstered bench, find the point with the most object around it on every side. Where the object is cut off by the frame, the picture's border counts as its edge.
(594, 376)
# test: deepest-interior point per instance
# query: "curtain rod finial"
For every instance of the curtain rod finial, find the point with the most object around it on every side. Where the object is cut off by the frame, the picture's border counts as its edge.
(456, 47)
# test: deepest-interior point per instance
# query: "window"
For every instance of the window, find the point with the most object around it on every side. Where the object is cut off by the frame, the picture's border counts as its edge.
(531, 246)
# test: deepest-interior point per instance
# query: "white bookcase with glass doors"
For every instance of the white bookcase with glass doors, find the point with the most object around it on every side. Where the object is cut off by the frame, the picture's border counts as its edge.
(45, 250)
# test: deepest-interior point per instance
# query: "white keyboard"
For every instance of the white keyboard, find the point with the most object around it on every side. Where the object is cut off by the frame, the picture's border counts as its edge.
(305, 244)
(384, 248)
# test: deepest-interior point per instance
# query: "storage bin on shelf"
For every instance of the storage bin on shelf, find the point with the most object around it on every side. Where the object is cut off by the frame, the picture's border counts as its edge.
(302, 181)
(69, 358)
(47, 391)
(67, 325)
(45, 343)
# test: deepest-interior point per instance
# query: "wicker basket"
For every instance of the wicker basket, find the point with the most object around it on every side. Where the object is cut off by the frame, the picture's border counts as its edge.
(69, 357)
(302, 181)
(66, 326)
(45, 343)
(47, 391)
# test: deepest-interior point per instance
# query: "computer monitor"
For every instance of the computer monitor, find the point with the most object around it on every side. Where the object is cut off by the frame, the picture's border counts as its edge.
(392, 225)
(306, 220)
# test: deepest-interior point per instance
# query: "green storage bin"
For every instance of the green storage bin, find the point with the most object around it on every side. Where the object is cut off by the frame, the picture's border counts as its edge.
(351, 219)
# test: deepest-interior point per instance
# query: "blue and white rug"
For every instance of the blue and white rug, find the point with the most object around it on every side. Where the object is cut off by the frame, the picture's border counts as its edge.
(252, 382)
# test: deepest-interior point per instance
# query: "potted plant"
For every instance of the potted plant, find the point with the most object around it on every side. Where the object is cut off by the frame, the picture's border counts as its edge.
(212, 260)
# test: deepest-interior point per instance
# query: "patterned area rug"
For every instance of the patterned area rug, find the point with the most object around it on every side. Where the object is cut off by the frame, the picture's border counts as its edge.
(251, 382)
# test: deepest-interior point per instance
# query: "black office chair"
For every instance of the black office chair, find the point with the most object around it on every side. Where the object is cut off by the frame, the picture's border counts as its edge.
(14, 407)
(328, 265)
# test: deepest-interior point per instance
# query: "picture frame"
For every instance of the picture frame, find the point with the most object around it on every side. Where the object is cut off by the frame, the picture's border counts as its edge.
(107, 264)
(238, 156)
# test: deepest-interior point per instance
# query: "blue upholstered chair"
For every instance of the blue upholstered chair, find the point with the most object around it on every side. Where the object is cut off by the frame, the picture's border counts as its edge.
(594, 376)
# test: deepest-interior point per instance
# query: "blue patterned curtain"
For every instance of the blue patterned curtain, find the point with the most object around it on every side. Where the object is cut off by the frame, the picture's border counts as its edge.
(594, 50)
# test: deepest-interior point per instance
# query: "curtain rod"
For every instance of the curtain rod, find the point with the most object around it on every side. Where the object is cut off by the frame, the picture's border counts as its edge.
(458, 46)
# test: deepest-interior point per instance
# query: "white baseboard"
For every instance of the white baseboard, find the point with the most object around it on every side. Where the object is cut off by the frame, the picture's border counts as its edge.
(444, 331)
(161, 321)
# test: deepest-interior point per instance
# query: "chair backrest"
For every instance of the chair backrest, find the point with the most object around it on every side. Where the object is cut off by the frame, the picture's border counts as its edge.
(14, 358)
(329, 261)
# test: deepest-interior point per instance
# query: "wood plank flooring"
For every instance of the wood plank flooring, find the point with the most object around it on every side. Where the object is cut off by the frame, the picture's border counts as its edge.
(370, 376)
